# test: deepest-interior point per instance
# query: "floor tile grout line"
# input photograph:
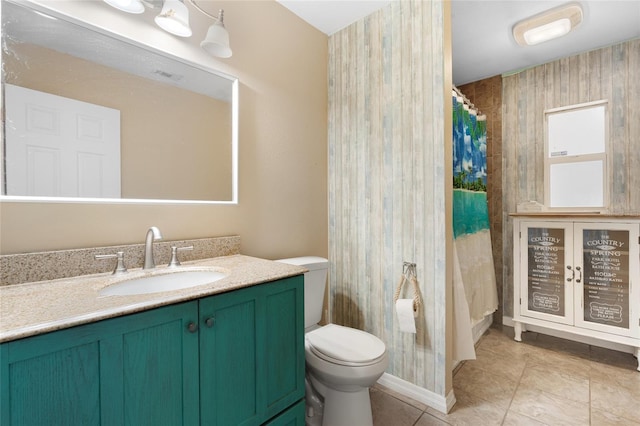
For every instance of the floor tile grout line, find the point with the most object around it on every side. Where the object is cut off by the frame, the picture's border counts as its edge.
(592, 359)
(515, 390)
(424, 413)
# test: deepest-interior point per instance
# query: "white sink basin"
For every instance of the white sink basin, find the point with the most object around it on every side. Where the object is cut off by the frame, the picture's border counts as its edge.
(158, 282)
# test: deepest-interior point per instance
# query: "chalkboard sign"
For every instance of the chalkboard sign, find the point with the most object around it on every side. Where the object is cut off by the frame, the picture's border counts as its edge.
(606, 277)
(546, 251)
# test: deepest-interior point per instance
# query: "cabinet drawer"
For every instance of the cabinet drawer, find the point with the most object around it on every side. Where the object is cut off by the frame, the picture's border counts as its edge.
(294, 416)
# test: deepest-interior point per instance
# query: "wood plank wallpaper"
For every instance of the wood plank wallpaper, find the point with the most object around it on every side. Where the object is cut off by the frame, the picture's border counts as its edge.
(611, 73)
(388, 181)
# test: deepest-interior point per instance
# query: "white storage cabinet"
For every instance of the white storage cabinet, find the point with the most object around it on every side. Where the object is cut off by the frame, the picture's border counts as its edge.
(579, 275)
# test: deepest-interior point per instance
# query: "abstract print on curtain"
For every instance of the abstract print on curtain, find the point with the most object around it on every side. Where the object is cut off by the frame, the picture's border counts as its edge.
(474, 274)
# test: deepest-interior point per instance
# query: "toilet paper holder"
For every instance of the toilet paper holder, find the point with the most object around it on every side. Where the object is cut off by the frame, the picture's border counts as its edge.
(409, 275)
(409, 269)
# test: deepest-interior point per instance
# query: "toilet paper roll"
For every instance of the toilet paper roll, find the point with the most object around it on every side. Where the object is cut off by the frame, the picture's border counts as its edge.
(406, 315)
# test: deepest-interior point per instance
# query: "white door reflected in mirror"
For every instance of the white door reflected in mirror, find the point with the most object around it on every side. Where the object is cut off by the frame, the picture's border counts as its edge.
(60, 147)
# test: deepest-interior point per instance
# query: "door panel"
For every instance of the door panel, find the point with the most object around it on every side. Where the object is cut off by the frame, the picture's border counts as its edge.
(228, 355)
(58, 388)
(152, 360)
(60, 147)
(547, 272)
(138, 369)
(252, 353)
(607, 256)
(284, 359)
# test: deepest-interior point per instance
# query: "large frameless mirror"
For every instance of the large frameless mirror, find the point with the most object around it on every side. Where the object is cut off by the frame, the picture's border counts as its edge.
(92, 117)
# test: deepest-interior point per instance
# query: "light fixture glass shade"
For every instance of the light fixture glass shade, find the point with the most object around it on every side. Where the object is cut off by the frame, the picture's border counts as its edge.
(174, 18)
(129, 6)
(547, 31)
(216, 42)
(548, 25)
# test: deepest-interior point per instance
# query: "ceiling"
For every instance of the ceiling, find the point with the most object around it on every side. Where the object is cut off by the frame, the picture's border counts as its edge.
(482, 43)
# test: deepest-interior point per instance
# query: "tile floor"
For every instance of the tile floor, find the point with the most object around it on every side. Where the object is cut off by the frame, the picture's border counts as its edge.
(541, 381)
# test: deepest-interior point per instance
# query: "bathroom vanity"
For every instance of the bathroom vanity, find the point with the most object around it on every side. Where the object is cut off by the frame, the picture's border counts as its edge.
(225, 354)
(578, 274)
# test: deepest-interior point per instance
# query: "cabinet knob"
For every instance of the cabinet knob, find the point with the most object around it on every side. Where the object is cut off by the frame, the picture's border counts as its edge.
(209, 322)
(192, 327)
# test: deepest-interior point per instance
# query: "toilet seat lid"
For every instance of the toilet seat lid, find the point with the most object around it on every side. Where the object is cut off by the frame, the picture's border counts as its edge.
(344, 345)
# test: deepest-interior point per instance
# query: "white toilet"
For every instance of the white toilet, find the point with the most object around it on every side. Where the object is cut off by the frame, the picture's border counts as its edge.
(342, 362)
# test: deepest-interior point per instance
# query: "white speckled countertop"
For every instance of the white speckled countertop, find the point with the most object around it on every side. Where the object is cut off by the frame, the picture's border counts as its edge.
(35, 308)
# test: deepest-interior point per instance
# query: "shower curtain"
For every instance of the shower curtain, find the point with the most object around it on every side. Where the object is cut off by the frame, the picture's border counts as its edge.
(475, 294)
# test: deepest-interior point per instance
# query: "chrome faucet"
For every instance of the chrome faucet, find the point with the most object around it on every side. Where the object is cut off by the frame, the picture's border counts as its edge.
(152, 234)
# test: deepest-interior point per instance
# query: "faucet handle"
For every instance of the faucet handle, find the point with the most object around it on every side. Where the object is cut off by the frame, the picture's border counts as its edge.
(120, 267)
(174, 255)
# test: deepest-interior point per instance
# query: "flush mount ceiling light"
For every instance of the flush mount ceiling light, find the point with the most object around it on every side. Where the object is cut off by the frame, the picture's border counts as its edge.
(174, 18)
(548, 25)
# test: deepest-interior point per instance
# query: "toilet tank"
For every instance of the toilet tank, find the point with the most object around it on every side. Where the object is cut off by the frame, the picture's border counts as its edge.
(315, 282)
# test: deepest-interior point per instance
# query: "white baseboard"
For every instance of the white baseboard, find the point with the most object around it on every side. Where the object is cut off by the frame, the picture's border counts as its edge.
(508, 321)
(433, 400)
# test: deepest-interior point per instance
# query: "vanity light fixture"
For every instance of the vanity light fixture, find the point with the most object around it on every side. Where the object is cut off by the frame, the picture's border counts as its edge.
(129, 6)
(548, 25)
(174, 18)
(217, 40)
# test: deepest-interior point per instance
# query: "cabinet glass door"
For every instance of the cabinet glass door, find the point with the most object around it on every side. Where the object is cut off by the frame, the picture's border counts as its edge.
(607, 255)
(547, 273)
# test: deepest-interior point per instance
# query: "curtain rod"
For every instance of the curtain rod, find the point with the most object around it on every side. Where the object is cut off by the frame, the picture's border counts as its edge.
(466, 100)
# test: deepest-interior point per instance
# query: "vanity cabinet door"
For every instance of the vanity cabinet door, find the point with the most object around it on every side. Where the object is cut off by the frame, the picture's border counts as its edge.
(251, 353)
(133, 370)
(229, 351)
(546, 271)
(607, 290)
(156, 376)
(284, 365)
(53, 379)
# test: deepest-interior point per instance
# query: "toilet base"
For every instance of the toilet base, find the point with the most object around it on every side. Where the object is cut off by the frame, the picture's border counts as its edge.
(347, 408)
(313, 404)
(337, 408)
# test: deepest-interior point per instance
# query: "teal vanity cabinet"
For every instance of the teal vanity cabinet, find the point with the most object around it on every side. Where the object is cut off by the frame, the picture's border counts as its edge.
(294, 416)
(130, 370)
(235, 358)
(251, 353)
